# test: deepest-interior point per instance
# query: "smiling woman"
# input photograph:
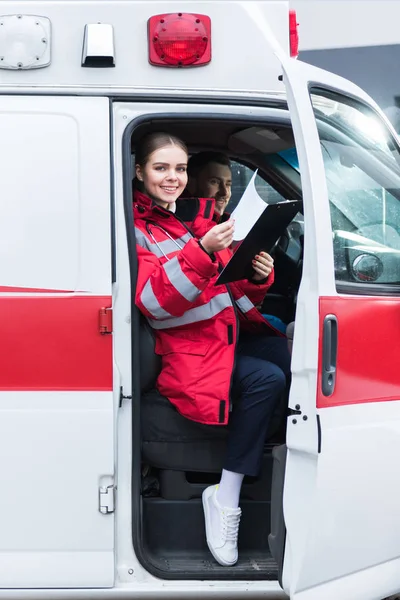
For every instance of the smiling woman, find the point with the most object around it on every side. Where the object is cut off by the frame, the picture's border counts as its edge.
(161, 165)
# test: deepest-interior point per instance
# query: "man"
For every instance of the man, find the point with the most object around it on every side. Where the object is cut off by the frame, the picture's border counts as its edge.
(210, 176)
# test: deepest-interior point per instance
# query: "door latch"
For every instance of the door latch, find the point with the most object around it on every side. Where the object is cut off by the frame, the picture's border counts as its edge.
(329, 354)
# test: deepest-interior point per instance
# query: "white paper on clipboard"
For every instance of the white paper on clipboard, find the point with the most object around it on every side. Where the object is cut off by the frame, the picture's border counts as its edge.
(248, 210)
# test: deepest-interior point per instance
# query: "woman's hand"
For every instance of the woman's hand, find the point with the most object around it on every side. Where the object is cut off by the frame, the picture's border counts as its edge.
(219, 237)
(263, 264)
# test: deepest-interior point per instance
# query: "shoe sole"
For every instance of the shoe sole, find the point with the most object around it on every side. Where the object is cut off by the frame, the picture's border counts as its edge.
(207, 520)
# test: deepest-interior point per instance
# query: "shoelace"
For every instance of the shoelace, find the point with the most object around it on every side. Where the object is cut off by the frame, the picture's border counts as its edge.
(230, 525)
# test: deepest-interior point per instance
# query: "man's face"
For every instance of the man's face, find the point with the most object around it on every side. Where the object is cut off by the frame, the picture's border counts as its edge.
(215, 181)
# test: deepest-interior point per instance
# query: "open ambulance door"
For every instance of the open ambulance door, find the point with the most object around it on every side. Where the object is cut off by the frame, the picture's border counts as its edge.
(341, 504)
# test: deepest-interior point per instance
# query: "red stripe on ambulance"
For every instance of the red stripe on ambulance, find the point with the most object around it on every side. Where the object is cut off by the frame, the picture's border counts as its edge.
(367, 368)
(54, 344)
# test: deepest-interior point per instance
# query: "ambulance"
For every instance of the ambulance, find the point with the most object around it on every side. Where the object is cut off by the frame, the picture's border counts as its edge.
(102, 479)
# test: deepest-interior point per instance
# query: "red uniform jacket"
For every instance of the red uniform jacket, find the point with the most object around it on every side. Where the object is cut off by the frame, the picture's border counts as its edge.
(196, 322)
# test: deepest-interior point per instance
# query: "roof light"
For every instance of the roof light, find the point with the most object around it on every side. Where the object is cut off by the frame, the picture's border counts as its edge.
(98, 46)
(25, 42)
(293, 34)
(179, 40)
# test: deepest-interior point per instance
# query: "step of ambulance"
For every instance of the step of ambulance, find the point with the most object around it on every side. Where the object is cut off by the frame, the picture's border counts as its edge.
(175, 543)
(182, 485)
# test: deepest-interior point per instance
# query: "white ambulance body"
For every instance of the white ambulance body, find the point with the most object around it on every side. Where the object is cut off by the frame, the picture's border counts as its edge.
(85, 513)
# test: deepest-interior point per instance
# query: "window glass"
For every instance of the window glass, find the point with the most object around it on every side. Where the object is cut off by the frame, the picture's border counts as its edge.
(362, 172)
(241, 175)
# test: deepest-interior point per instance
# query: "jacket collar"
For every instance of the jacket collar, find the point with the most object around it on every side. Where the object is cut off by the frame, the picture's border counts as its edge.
(145, 207)
(187, 209)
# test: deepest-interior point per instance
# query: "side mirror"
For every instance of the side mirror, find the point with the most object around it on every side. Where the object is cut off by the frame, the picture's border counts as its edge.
(367, 268)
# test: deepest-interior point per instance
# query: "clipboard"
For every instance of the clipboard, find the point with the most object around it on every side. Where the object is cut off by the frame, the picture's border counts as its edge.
(264, 234)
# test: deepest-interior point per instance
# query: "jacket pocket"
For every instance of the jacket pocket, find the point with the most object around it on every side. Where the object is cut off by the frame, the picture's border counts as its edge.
(173, 345)
(184, 372)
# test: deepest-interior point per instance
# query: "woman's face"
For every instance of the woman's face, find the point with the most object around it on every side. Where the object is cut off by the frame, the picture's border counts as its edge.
(164, 175)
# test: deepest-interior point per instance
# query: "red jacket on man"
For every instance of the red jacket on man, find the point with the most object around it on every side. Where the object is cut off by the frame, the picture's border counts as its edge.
(195, 322)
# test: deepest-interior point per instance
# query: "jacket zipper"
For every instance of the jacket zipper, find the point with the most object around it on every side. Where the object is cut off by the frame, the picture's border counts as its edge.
(235, 346)
(235, 313)
(236, 318)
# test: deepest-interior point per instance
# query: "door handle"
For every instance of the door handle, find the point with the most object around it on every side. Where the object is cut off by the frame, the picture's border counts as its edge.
(329, 354)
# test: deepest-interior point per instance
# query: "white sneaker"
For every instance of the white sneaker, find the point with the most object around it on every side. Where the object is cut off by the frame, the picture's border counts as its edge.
(222, 527)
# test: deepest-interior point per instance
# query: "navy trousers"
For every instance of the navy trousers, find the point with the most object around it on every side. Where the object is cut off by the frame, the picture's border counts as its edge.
(261, 375)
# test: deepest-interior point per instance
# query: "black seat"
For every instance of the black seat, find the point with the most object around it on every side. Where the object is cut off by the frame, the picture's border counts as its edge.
(176, 445)
(170, 441)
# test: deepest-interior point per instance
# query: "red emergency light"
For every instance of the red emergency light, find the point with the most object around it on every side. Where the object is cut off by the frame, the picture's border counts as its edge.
(293, 34)
(179, 40)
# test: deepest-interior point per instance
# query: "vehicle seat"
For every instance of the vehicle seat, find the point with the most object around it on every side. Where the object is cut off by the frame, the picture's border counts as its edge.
(176, 446)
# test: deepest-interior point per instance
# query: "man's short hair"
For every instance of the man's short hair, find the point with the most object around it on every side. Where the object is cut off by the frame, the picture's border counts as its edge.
(198, 161)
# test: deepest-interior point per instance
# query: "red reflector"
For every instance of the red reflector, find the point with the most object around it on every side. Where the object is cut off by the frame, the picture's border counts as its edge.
(179, 40)
(293, 33)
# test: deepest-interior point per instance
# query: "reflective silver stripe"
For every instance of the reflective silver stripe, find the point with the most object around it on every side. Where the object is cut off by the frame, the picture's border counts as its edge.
(194, 315)
(168, 246)
(151, 303)
(164, 247)
(180, 281)
(244, 304)
(141, 239)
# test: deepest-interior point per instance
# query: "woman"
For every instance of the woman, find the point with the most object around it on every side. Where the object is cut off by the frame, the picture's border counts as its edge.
(205, 363)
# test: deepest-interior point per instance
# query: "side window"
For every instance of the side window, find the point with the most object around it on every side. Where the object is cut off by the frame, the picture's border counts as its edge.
(241, 175)
(363, 178)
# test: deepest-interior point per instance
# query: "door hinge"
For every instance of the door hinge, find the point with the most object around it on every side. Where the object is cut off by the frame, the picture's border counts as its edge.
(105, 321)
(107, 499)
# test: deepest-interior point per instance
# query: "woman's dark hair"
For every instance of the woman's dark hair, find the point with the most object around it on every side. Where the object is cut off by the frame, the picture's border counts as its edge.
(154, 141)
